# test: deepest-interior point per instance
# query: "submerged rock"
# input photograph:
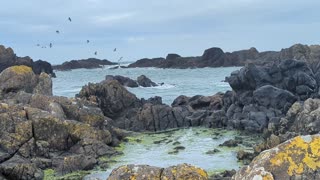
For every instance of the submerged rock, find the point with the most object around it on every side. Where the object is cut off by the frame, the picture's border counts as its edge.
(182, 171)
(297, 158)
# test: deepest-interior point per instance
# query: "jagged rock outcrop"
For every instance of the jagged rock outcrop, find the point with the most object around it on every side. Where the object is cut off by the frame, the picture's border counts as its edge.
(297, 158)
(90, 63)
(131, 113)
(39, 131)
(8, 58)
(182, 171)
(264, 94)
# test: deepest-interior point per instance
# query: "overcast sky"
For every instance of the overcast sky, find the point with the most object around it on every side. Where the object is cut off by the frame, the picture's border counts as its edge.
(154, 28)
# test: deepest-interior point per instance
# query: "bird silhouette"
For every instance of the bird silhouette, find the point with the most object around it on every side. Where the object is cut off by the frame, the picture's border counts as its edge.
(88, 41)
(95, 53)
(57, 31)
(120, 59)
(50, 45)
(115, 49)
(38, 45)
(69, 19)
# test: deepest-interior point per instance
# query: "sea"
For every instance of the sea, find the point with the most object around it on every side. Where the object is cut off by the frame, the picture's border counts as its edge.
(176, 82)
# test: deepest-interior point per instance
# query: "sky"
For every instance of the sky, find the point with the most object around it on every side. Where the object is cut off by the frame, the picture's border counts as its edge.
(153, 28)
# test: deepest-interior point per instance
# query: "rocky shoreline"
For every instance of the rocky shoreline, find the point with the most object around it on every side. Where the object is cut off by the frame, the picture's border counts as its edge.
(216, 57)
(40, 131)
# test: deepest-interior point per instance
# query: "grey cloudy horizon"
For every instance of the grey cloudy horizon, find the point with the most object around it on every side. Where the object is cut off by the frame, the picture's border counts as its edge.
(153, 28)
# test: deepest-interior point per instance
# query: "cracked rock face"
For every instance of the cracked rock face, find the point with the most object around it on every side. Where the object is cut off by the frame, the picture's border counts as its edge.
(39, 131)
(298, 158)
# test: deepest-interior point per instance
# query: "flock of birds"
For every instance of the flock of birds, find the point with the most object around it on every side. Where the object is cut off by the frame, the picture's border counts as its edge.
(88, 41)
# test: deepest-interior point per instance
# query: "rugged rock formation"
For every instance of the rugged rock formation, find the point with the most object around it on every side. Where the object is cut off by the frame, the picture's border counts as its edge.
(9, 58)
(131, 113)
(38, 131)
(262, 95)
(125, 81)
(215, 57)
(297, 158)
(90, 63)
(182, 171)
(22, 78)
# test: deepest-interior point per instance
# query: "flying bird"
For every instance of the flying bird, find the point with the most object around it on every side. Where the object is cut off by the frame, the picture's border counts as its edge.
(88, 41)
(115, 49)
(69, 19)
(120, 59)
(50, 45)
(95, 53)
(57, 31)
(38, 45)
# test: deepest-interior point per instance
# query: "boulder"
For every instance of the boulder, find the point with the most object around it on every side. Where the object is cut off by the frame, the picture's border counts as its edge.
(111, 96)
(297, 158)
(145, 82)
(21, 78)
(182, 171)
(125, 81)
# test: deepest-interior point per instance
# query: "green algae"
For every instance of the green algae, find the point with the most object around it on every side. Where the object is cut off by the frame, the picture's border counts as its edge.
(50, 174)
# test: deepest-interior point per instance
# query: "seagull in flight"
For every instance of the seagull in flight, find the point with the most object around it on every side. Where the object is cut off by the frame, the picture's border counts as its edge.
(57, 31)
(115, 49)
(50, 45)
(95, 53)
(69, 19)
(38, 45)
(88, 41)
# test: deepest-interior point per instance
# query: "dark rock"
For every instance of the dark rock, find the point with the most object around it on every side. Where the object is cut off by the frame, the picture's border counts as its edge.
(145, 82)
(111, 96)
(231, 143)
(172, 56)
(213, 151)
(90, 63)
(123, 80)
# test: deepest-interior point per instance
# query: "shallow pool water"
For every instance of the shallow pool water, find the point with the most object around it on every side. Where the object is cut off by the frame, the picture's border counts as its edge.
(194, 143)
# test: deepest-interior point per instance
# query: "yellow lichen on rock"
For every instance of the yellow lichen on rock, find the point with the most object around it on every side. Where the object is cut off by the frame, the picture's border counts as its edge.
(298, 155)
(22, 69)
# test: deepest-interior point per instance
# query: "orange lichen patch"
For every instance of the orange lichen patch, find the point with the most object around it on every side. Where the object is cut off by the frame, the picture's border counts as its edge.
(298, 155)
(21, 69)
(267, 177)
